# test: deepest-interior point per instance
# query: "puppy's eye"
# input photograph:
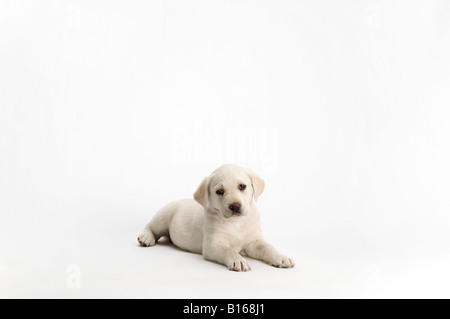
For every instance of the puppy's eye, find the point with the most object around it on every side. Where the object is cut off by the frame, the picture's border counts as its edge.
(242, 187)
(220, 192)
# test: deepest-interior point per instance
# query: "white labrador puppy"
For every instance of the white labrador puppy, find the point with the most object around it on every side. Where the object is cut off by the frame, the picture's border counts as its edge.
(221, 224)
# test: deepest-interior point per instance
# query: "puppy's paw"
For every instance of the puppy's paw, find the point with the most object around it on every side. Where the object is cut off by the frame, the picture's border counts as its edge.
(146, 239)
(282, 261)
(238, 264)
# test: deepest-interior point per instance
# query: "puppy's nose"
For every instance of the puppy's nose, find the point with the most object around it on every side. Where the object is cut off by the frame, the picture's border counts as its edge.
(235, 207)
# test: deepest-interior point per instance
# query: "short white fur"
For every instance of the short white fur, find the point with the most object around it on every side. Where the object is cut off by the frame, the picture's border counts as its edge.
(207, 225)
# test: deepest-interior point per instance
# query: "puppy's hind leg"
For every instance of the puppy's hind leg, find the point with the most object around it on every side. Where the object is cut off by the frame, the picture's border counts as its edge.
(157, 227)
(147, 238)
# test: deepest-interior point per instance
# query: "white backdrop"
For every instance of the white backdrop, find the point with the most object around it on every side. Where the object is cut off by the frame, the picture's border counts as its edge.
(108, 110)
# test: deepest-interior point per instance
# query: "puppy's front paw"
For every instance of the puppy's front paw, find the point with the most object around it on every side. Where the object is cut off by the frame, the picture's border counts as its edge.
(282, 261)
(146, 239)
(238, 264)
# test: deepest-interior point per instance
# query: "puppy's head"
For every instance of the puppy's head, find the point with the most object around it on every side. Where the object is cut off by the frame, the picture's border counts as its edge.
(229, 191)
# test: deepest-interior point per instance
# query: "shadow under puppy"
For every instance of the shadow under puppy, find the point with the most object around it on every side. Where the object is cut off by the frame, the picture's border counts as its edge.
(221, 223)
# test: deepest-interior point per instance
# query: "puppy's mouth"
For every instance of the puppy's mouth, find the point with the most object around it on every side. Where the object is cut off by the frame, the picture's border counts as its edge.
(231, 214)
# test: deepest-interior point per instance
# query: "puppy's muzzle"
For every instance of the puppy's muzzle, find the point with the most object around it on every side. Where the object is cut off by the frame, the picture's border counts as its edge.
(235, 208)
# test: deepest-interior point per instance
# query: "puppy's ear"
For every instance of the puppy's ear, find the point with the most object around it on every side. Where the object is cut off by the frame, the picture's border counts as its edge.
(257, 184)
(201, 194)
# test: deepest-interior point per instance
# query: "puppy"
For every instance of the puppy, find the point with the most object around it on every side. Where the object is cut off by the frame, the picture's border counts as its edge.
(221, 223)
